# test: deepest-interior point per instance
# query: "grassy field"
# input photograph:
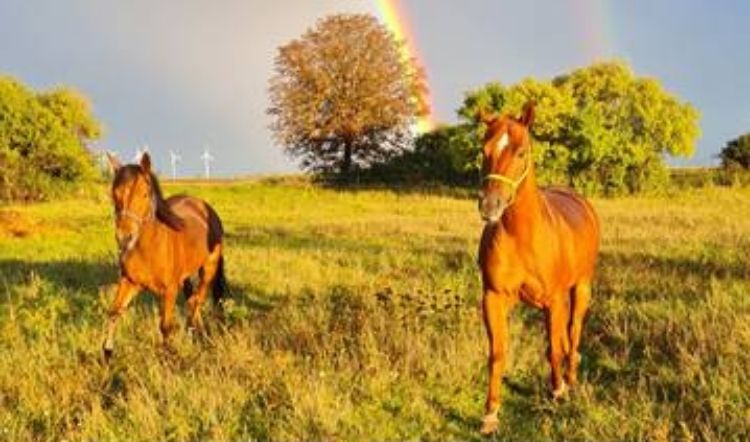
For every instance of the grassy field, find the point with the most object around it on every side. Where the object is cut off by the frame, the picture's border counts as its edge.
(355, 316)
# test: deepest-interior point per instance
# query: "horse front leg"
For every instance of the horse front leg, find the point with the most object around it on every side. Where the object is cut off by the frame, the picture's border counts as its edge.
(557, 316)
(495, 308)
(126, 291)
(166, 313)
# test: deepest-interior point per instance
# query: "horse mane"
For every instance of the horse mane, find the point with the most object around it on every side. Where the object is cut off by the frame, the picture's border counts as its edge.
(164, 213)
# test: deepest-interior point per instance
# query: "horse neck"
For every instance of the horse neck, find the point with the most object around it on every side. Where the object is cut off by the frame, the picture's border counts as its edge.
(155, 230)
(152, 233)
(525, 214)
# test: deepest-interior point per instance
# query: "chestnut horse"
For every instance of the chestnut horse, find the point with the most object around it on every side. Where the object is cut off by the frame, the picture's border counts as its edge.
(162, 244)
(539, 246)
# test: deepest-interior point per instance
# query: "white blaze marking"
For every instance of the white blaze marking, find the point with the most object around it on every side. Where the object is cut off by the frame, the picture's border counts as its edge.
(502, 142)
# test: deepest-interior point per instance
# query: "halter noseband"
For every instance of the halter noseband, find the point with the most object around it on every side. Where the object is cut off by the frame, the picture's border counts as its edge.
(140, 220)
(514, 184)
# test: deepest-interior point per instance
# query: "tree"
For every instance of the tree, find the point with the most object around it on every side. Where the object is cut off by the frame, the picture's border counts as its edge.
(623, 127)
(345, 95)
(599, 128)
(553, 115)
(43, 141)
(73, 111)
(736, 154)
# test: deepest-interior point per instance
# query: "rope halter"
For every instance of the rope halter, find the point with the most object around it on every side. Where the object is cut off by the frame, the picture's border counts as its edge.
(514, 184)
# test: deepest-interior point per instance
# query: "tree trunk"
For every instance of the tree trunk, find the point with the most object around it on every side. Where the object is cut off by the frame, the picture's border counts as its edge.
(346, 163)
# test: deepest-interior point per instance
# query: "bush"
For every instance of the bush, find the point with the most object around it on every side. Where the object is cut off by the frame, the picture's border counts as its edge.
(736, 154)
(447, 155)
(43, 138)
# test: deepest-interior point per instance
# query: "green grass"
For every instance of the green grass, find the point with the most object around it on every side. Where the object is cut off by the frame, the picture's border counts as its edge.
(355, 316)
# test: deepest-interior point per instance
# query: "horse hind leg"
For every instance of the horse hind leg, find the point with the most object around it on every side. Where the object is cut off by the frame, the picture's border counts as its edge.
(580, 298)
(195, 302)
(559, 344)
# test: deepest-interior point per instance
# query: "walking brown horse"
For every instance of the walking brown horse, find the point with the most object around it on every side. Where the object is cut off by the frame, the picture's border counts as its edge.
(539, 246)
(162, 244)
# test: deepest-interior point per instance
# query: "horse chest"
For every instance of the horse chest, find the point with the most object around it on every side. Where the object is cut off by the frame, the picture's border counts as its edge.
(140, 267)
(518, 270)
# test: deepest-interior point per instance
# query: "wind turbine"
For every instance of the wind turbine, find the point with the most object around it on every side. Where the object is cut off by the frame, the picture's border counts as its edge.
(174, 158)
(207, 158)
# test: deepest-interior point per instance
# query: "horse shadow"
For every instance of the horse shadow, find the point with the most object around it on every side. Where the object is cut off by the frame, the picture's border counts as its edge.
(80, 280)
(87, 286)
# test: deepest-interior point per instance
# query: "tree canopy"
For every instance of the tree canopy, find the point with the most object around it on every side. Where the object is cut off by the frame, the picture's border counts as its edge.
(600, 128)
(736, 154)
(345, 95)
(43, 140)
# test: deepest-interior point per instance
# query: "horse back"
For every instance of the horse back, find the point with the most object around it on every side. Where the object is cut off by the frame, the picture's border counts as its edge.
(577, 224)
(574, 209)
(200, 218)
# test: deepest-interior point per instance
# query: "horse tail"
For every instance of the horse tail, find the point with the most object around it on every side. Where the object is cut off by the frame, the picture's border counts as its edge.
(220, 288)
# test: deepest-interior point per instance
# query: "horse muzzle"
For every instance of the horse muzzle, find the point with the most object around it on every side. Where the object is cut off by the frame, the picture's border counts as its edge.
(491, 207)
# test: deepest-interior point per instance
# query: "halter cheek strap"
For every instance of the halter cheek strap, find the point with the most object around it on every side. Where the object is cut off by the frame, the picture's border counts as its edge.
(140, 220)
(514, 184)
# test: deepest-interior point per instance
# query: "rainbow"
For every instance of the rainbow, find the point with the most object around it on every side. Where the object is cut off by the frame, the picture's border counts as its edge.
(397, 22)
(596, 27)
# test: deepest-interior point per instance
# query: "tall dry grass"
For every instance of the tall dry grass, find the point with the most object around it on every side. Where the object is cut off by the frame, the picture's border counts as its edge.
(355, 316)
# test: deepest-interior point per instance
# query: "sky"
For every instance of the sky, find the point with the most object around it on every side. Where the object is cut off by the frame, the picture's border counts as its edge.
(183, 75)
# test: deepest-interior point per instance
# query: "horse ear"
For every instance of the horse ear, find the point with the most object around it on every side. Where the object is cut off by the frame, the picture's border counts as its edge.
(527, 115)
(114, 163)
(483, 116)
(146, 162)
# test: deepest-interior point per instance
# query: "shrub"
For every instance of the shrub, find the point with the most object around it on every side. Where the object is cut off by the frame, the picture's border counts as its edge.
(43, 141)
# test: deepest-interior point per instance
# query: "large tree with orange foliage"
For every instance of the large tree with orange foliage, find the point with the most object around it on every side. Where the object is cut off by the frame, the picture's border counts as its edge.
(345, 95)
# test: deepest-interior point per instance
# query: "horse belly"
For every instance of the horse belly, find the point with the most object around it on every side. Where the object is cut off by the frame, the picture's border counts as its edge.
(192, 251)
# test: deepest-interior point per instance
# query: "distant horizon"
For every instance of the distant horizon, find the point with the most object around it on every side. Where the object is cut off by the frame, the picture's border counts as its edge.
(166, 176)
(180, 77)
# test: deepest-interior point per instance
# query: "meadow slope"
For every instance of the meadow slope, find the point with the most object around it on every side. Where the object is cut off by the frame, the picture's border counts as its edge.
(355, 316)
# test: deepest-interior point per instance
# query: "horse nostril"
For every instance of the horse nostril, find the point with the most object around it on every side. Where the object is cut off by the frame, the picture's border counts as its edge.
(499, 203)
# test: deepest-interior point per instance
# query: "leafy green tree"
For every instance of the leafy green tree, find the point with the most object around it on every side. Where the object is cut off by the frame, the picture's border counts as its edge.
(736, 154)
(345, 95)
(553, 114)
(623, 127)
(599, 128)
(73, 111)
(43, 141)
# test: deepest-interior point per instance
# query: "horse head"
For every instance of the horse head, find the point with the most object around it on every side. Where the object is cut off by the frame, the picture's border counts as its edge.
(506, 160)
(134, 199)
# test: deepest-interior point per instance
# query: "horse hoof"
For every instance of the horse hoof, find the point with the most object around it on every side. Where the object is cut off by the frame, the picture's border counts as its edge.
(490, 424)
(559, 392)
(107, 354)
